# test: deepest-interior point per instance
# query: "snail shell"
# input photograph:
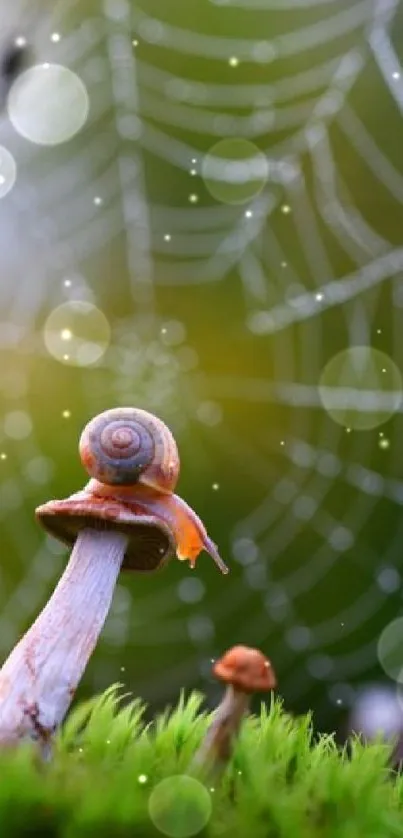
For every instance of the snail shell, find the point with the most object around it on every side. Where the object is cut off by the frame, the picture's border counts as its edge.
(126, 445)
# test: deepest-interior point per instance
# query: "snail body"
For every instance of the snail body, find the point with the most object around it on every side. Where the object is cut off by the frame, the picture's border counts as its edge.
(132, 456)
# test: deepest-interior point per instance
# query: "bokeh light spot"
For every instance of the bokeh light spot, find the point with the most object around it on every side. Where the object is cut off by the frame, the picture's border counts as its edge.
(389, 580)
(377, 712)
(191, 590)
(245, 551)
(77, 333)
(200, 629)
(209, 413)
(180, 806)
(234, 171)
(390, 650)
(173, 333)
(361, 388)
(8, 172)
(48, 104)
(17, 424)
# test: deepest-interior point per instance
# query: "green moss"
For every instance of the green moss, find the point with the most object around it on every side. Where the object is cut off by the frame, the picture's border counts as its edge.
(282, 782)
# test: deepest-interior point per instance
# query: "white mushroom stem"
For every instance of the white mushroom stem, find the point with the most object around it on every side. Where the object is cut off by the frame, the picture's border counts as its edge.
(39, 678)
(217, 744)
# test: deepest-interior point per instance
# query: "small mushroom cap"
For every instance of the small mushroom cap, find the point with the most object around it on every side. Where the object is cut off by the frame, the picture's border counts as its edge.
(246, 669)
(151, 543)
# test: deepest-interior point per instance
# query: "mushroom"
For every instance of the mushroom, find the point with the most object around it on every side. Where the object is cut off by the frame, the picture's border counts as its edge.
(119, 525)
(245, 671)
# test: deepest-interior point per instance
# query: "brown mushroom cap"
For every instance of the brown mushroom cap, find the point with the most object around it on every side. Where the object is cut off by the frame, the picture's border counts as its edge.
(151, 544)
(246, 669)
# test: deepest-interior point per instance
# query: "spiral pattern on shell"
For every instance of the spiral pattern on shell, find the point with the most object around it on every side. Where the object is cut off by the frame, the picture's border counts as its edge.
(126, 445)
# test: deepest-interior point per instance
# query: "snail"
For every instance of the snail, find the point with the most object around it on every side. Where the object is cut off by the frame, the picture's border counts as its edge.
(126, 446)
(127, 518)
(132, 456)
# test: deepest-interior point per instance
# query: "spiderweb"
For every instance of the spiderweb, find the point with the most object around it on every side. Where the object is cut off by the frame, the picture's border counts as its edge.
(287, 264)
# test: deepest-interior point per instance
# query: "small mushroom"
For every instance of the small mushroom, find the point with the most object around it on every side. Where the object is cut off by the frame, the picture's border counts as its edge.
(110, 527)
(245, 671)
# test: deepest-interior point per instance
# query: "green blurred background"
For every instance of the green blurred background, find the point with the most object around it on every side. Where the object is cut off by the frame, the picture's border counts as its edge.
(223, 317)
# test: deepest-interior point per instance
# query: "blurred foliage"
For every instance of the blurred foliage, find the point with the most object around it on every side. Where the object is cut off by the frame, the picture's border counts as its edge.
(109, 769)
(242, 454)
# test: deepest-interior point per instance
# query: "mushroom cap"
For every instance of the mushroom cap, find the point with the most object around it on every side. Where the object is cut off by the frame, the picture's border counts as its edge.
(151, 543)
(246, 669)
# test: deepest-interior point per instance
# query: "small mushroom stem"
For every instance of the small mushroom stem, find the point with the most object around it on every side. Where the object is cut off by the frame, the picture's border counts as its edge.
(39, 678)
(217, 745)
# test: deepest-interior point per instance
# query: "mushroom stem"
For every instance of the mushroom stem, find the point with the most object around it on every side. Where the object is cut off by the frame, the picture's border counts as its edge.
(40, 676)
(217, 744)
